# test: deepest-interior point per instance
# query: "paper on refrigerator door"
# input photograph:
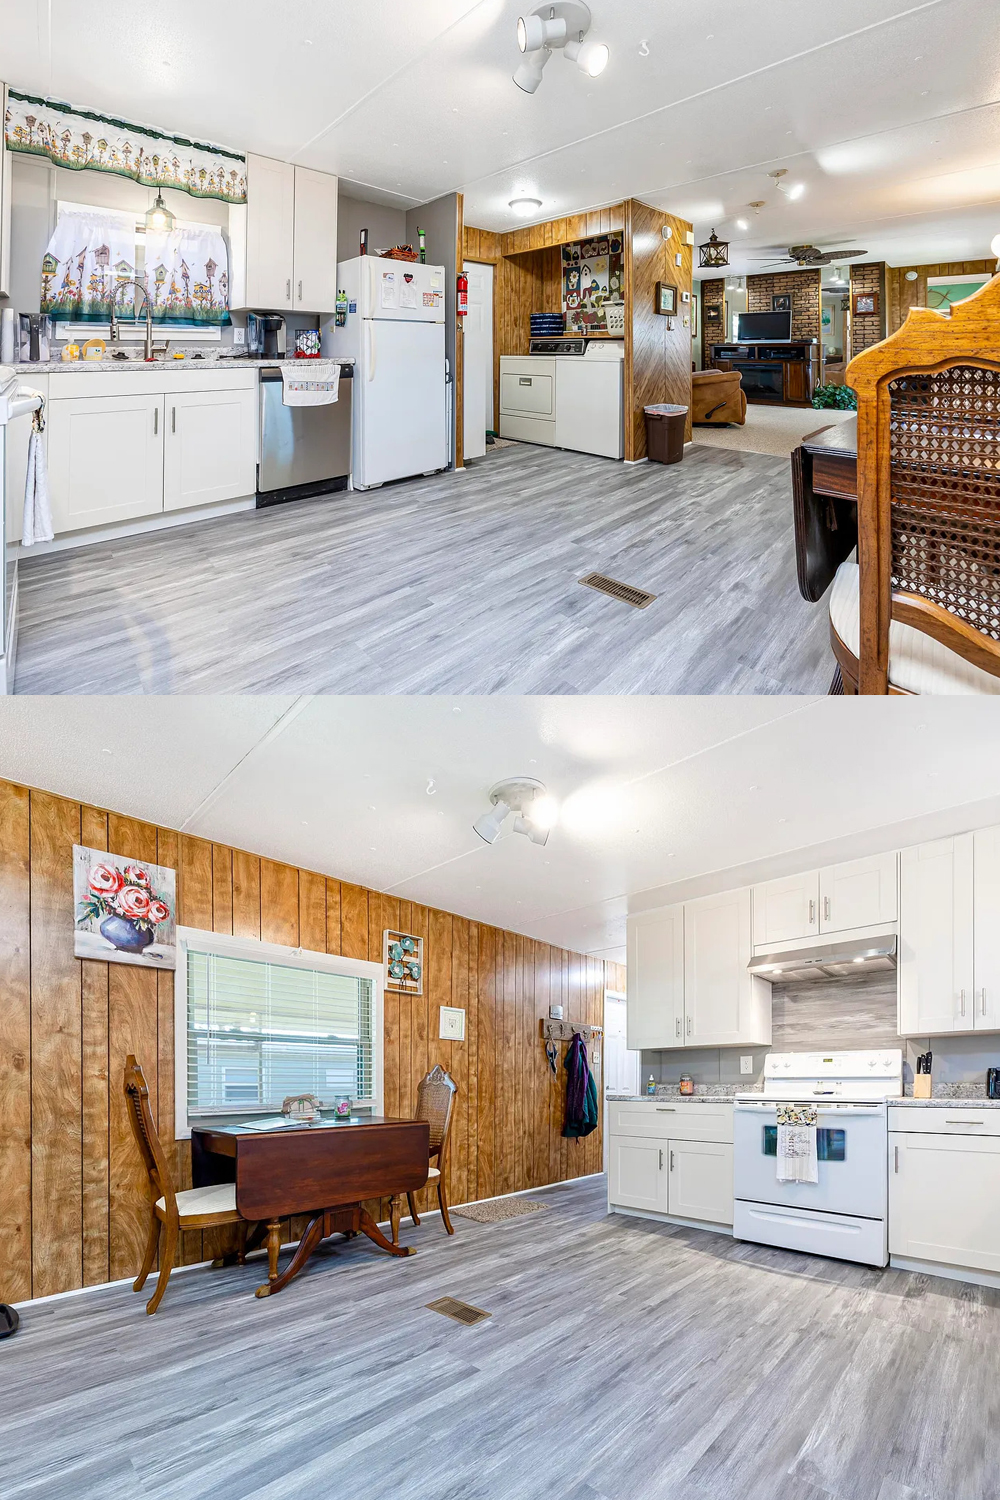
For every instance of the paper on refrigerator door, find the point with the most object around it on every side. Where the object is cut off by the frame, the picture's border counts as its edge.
(408, 291)
(390, 296)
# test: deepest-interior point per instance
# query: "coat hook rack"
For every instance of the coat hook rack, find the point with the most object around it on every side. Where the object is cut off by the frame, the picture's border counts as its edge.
(564, 1031)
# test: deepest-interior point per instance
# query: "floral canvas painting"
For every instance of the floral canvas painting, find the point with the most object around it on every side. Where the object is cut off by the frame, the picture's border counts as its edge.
(125, 910)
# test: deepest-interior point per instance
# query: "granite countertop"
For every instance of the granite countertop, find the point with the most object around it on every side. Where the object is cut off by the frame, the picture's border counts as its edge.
(662, 1099)
(978, 1101)
(190, 362)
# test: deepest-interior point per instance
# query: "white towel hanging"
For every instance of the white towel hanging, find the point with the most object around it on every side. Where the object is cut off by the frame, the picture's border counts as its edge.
(798, 1154)
(37, 521)
(310, 383)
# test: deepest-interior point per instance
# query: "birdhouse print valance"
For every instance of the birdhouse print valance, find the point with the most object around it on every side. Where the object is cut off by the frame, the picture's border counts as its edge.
(83, 141)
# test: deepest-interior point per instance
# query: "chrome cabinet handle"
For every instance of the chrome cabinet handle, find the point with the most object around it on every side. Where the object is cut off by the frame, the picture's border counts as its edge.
(982, 1001)
(173, 419)
(962, 998)
(689, 1025)
(812, 912)
(156, 420)
(671, 1161)
(677, 1030)
(661, 1158)
(965, 1122)
(895, 1150)
(300, 291)
(826, 908)
(665, 1109)
(288, 290)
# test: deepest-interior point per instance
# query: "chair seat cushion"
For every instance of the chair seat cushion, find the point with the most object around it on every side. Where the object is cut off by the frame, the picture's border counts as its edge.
(218, 1199)
(917, 662)
(432, 1172)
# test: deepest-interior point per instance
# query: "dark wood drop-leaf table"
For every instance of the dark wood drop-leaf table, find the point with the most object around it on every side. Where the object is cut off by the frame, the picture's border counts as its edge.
(326, 1171)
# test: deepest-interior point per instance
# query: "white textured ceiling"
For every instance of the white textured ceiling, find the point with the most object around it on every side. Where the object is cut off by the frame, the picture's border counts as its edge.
(660, 797)
(885, 111)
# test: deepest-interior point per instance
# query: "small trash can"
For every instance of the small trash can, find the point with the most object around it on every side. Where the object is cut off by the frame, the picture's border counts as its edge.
(665, 433)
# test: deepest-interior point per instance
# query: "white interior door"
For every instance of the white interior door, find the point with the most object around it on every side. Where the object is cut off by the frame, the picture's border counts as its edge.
(478, 360)
(621, 1066)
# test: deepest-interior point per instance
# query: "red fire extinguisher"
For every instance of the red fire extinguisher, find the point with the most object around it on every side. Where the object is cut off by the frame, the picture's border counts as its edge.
(463, 294)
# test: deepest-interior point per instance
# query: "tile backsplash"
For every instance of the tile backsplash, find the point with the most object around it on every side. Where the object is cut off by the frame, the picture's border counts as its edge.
(826, 1015)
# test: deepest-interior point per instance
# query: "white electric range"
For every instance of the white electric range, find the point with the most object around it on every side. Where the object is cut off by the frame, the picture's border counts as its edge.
(843, 1214)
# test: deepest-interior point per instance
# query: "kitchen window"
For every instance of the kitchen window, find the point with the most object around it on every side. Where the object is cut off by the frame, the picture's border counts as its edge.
(256, 1022)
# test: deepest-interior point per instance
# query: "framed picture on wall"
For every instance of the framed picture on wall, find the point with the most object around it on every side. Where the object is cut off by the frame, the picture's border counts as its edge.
(666, 299)
(781, 302)
(865, 304)
(125, 909)
(695, 304)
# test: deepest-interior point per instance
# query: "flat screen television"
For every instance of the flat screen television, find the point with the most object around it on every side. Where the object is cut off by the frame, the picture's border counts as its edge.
(764, 328)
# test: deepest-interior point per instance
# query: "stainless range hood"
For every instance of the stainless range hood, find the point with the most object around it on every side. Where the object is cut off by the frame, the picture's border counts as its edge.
(830, 960)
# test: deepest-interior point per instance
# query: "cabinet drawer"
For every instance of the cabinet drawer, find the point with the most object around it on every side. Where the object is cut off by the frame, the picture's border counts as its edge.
(960, 1119)
(528, 429)
(157, 380)
(681, 1122)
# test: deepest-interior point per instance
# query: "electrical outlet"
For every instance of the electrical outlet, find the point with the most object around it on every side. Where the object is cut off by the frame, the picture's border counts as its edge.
(746, 1064)
(239, 335)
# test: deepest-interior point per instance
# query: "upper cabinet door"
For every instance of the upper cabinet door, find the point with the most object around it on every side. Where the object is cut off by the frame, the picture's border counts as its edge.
(936, 938)
(5, 180)
(270, 233)
(314, 288)
(656, 979)
(986, 919)
(860, 894)
(786, 909)
(724, 1005)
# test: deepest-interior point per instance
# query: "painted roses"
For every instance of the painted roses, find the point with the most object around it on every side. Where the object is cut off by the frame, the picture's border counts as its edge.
(132, 902)
(105, 880)
(125, 909)
(126, 892)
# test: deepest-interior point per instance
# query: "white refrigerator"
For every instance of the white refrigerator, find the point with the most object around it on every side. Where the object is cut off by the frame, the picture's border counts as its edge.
(394, 332)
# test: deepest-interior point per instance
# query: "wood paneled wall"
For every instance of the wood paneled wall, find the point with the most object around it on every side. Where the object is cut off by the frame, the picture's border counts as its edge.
(901, 294)
(657, 357)
(72, 1196)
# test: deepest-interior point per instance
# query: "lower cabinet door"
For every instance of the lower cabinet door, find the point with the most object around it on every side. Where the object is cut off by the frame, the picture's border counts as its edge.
(105, 458)
(210, 449)
(944, 1199)
(701, 1181)
(638, 1173)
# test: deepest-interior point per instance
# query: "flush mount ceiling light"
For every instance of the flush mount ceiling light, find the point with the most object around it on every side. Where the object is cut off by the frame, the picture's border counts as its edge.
(563, 25)
(159, 218)
(534, 810)
(525, 207)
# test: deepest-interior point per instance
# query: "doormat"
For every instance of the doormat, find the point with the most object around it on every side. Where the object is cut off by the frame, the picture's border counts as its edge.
(462, 1312)
(496, 1209)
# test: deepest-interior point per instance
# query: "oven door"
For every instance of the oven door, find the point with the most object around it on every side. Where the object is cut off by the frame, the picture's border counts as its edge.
(853, 1160)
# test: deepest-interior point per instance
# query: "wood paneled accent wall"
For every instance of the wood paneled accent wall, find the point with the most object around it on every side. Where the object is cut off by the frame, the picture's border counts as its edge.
(71, 1190)
(713, 294)
(657, 356)
(867, 329)
(901, 294)
(804, 287)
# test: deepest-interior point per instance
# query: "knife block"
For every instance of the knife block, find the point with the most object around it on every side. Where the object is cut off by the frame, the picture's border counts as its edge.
(921, 1085)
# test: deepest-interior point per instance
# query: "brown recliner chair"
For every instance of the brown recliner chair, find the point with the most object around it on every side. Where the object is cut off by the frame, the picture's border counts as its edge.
(717, 397)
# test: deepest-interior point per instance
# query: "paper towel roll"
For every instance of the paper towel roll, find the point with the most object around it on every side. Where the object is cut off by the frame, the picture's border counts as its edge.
(8, 325)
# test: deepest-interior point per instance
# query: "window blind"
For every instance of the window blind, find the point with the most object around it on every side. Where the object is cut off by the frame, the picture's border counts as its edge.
(259, 1031)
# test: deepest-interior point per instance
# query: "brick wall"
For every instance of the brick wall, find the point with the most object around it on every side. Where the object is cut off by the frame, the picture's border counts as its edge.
(867, 328)
(713, 294)
(804, 287)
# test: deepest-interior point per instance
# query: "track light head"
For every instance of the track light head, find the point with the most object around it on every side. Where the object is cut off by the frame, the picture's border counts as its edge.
(563, 24)
(489, 826)
(535, 811)
(529, 73)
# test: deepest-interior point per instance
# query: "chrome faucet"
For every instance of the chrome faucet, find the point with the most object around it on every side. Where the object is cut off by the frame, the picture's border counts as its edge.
(113, 336)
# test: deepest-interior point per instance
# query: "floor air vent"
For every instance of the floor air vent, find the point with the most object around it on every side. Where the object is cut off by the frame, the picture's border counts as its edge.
(462, 1312)
(638, 598)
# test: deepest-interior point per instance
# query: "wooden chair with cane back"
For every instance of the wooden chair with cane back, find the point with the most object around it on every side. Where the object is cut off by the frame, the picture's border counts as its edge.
(920, 610)
(435, 1104)
(171, 1211)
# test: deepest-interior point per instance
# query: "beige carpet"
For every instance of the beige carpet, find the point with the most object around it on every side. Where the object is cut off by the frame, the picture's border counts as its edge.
(770, 429)
(496, 1209)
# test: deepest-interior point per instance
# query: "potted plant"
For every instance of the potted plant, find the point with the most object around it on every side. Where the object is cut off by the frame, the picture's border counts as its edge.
(840, 396)
(129, 909)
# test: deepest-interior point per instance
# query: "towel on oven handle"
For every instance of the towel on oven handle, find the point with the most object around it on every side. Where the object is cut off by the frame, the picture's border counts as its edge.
(798, 1157)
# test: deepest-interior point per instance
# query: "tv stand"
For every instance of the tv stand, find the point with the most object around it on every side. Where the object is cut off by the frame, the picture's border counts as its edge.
(774, 374)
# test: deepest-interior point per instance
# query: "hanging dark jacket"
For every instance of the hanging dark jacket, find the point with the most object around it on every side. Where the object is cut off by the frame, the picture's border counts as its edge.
(581, 1092)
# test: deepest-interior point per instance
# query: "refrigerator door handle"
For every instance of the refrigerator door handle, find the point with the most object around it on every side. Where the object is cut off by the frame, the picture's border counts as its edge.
(371, 349)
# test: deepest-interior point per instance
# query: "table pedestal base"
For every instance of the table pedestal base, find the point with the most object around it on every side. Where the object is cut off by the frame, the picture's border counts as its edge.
(348, 1219)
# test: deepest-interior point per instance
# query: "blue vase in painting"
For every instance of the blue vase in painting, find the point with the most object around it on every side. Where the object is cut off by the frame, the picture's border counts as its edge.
(126, 936)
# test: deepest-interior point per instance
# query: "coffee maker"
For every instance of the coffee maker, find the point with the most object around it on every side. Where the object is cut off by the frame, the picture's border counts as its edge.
(265, 336)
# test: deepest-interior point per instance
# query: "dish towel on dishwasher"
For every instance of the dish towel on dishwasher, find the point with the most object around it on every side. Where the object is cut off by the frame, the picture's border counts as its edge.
(798, 1160)
(36, 524)
(318, 384)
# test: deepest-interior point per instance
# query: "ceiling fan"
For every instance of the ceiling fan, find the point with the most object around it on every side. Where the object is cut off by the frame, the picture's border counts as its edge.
(809, 255)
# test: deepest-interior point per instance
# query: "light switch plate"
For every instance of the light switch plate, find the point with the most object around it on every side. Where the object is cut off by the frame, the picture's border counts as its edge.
(678, 258)
(452, 1028)
(746, 1064)
(555, 1012)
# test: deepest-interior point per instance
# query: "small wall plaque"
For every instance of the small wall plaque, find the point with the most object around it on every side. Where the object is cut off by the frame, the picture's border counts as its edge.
(403, 955)
(452, 1027)
(666, 299)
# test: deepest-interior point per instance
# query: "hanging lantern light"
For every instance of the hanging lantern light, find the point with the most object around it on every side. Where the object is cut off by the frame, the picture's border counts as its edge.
(714, 252)
(159, 219)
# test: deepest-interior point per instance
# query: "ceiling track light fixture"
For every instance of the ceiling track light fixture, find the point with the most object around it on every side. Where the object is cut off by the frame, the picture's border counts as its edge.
(563, 26)
(793, 191)
(533, 809)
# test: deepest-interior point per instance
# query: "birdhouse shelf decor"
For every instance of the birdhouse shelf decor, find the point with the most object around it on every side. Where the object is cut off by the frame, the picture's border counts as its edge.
(404, 962)
(714, 252)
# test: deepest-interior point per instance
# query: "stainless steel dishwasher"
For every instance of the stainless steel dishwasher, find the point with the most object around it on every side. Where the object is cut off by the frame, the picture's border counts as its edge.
(304, 450)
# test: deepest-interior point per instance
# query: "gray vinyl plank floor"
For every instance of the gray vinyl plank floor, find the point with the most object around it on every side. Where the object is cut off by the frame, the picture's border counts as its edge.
(459, 583)
(625, 1360)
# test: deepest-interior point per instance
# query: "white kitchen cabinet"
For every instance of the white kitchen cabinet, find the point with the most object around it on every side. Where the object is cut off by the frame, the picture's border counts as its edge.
(860, 893)
(944, 1199)
(262, 238)
(786, 909)
(314, 288)
(986, 928)
(724, 1006)
(105, 458)
(700, 1176)
(637, 1175)
(936, 970)
(655, 984)
(6, 173)
(210, 447)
